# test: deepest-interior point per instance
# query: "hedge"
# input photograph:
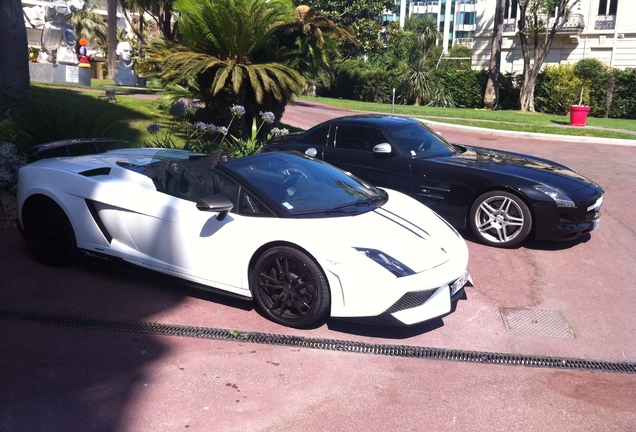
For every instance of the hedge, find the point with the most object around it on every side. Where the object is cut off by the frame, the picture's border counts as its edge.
(556, 88)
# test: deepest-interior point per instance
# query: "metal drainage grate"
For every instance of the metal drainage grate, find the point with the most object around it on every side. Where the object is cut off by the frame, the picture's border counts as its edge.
(535, 322)
(323, 344)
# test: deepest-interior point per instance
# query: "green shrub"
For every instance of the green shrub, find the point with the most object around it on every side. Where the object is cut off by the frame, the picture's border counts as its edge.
(377, 86)
(587, 70)
(10, 162)
(509, 90)
(348, 80)
(465, 86)
(624, 97)
(557, 88)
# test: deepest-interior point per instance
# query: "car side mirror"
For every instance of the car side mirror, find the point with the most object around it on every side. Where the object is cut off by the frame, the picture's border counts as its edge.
(215, 203)
(382, 149)
(311, 152)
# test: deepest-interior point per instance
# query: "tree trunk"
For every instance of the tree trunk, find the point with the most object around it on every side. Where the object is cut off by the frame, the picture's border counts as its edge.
(542, 38)
(112, 37)
(491, 96)
(14, 66)
(610, 93)
(526, 97)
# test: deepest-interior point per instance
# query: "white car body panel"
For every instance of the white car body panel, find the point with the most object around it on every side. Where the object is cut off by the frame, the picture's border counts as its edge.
(170, 235)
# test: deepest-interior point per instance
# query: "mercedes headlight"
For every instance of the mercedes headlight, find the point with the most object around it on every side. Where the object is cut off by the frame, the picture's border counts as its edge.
(561, 199)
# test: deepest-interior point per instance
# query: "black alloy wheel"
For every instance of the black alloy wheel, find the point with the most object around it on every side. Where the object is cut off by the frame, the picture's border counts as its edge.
(290, 287)
(500, 219)
(48, 231)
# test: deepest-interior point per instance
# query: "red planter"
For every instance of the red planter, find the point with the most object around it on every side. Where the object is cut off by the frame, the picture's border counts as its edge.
(578, 115)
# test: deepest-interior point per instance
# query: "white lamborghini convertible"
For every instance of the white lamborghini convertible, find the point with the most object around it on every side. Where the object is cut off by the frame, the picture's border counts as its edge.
(302, 238)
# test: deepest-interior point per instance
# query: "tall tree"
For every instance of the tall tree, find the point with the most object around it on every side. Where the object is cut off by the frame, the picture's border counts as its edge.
(309, 44)
(160, 11)
(539, 22)
(361, 17)
(14, 67)
(423, 32)
(89, 24)
(112, 37)
(491, 96)
(225, 55)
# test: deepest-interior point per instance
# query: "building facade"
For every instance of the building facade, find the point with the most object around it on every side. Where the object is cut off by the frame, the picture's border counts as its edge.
(456, 19)
(600, 29)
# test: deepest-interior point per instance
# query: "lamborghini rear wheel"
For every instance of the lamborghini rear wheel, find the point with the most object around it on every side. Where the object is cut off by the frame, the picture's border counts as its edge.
(48, 231)
(290, 287)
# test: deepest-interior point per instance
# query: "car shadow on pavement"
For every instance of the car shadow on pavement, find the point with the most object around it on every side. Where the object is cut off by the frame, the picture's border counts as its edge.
(172, 285)
(371, 327)
(532, 244)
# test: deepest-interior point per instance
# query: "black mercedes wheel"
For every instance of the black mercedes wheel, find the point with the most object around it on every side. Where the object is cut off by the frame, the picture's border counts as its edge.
(500, 219)
(290, 287)
(48, 232)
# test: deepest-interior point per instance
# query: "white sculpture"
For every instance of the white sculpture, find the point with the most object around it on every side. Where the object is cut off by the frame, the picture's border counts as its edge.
(58, 37)
(124, 73)
(125, 52)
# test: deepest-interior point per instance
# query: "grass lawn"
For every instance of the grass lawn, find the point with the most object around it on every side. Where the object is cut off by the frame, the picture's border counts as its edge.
(502, 120)
(129, 116)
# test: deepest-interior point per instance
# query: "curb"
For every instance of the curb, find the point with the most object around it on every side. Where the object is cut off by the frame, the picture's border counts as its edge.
(530, 135)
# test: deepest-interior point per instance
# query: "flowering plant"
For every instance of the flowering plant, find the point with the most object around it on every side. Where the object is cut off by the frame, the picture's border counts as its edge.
(207, 138)
(180, 113)
(10, 163)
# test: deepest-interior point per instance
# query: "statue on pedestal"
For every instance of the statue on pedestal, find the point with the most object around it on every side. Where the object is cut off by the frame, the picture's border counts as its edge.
(125, 74)
(58, 37)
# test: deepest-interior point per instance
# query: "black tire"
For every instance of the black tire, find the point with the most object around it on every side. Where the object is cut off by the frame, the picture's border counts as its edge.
(289, 287)
(48, 231)
(500, 219)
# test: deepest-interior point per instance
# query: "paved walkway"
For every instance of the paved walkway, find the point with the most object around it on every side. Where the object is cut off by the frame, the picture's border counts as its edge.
(57, 377)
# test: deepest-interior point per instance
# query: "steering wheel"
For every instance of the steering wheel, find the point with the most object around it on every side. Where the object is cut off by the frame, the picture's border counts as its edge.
(294, 172)
(423, 147)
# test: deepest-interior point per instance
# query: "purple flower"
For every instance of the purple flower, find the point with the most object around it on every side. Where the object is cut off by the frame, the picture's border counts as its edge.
(222, 130)
(237, 111)
(199, 126)
(178, 109)
(279, 132)
(268, 117)
(153, 128)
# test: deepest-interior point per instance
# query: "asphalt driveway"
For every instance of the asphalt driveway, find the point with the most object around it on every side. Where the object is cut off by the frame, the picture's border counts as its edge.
(558, 300)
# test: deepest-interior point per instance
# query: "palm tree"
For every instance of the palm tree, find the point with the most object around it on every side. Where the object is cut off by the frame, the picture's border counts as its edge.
(224, 56)
(312, 42)
(424, 32)
(416, 82)
(89, 24)
(112, 36)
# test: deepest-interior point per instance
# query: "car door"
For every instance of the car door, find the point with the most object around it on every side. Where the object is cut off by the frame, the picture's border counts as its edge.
(173, 236)
(442, 187)
(351, 149)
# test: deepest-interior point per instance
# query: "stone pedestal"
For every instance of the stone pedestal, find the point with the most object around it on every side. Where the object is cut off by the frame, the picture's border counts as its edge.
(59, 73)
(125, 77)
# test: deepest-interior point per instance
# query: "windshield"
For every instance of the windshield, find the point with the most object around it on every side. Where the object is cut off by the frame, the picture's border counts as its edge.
(304, 186)
(417, 140)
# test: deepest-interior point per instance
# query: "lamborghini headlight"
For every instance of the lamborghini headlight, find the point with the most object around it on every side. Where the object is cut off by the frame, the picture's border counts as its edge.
(561, 199)
(386, 261)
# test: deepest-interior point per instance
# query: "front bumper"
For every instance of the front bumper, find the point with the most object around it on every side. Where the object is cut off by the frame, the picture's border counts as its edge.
(553, 223)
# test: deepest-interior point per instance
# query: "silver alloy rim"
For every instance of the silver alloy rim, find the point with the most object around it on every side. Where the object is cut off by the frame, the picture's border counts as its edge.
(499, 219)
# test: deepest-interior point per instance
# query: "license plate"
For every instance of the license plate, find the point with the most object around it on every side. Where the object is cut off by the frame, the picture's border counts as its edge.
(459, 283)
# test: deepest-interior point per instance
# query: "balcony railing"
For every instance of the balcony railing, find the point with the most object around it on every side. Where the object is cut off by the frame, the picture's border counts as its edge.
(574, 24)
(605, 22)
(466, 42)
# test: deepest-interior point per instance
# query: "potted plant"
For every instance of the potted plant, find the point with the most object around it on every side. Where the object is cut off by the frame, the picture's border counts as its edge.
(586, 70)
